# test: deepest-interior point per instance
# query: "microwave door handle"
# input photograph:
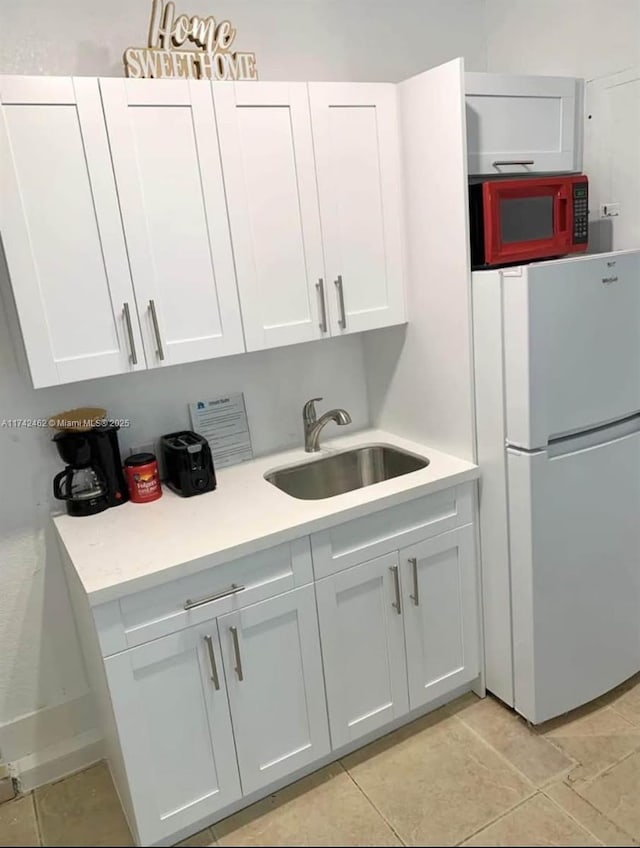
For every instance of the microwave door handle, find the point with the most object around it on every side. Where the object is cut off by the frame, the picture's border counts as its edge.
(561, 210)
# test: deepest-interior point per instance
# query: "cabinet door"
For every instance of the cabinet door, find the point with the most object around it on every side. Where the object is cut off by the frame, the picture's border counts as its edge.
(167, 165)
(62, 232)
(267, 156)
(362, 635)
(356, 140)
(276, 691)
(440, 605)
(172, 715)
(522, 125)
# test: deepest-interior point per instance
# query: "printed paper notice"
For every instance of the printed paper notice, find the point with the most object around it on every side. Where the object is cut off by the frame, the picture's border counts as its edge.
(223, 423)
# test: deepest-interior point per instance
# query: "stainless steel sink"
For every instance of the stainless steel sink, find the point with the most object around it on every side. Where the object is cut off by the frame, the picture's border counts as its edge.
(343, 472)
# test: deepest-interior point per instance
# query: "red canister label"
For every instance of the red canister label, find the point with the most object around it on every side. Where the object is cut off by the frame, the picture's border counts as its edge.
(144, 482)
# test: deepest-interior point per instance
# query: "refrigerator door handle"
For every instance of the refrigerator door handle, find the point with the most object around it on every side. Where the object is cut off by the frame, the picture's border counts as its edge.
(523, 451)
(594, 438)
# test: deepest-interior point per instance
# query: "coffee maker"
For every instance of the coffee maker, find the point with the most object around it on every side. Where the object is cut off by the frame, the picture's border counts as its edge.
(93, 479)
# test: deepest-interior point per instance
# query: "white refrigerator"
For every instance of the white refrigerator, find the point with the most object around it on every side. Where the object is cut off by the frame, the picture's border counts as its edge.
(557, 394)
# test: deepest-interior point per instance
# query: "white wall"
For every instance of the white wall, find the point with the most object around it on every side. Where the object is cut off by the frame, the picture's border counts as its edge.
(583, 38)
(378, 40)
(40, 664)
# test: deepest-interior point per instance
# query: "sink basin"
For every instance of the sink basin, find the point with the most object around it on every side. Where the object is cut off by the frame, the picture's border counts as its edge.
(342, 472)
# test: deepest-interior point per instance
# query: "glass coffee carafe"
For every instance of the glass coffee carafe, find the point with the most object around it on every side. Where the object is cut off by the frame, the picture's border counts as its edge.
(81, 484)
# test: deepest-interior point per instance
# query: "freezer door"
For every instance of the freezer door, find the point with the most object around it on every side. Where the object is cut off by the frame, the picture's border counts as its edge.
(574, 519)
(571, 345)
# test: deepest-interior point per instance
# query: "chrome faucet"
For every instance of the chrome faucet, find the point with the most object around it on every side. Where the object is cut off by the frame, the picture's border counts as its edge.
(313, 425)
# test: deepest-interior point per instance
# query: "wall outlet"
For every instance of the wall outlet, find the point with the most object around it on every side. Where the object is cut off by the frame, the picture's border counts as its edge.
(609, 210)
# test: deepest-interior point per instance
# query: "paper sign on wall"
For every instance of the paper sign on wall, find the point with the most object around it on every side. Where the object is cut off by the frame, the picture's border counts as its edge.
(223, 423)
(188, 48)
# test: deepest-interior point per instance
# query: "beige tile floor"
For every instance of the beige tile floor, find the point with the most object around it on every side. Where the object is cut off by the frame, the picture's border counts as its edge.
(472, 773)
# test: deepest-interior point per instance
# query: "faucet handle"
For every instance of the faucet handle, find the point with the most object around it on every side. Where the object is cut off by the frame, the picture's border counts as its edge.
(309, 410)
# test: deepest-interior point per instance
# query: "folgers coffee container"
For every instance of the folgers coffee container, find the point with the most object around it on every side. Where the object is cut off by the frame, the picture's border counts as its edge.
(143, 477)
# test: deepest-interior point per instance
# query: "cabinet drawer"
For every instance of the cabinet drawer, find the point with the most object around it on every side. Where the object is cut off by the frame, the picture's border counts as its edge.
(155, 612)
(377, 534)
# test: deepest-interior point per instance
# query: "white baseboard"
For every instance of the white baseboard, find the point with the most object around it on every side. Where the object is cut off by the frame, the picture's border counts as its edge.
(48, 744)
(58, 761)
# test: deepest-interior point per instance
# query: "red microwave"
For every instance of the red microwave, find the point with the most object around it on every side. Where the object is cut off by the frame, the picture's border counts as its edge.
(515, 221)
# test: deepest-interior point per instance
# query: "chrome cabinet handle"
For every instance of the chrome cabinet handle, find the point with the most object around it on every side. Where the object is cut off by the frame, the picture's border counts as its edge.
(156, 328)
(415, 597)
(342, 322)
(236, 650)
(323, 305)
(132, 344)
(513, 162)
(396, 580)
(189, 604)
(212, 662)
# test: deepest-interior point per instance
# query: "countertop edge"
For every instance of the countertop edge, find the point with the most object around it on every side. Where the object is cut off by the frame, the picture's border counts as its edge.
(116, 591)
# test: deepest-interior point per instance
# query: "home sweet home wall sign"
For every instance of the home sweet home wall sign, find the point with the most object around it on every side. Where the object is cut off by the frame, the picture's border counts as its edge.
(169, 53)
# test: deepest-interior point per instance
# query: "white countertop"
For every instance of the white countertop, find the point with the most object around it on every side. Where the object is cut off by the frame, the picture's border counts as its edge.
(136, 546)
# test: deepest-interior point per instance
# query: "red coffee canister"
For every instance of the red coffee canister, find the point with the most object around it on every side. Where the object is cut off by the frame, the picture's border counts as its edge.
(143, 478)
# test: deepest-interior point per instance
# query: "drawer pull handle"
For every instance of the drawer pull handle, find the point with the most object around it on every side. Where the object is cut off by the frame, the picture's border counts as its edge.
(396, 581)
(415, 597)
(189, 604)
(499, 162)
(236, 651)
(212, 662)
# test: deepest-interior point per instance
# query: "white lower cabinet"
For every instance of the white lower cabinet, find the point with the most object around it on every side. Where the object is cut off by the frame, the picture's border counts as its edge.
(175, 700)
(398, 632)
(274, 677)
(246, 694)
(440, 608)
(172, 717)
(363, 648)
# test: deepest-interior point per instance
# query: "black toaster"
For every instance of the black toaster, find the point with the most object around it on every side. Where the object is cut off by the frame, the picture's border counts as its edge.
(188, 464)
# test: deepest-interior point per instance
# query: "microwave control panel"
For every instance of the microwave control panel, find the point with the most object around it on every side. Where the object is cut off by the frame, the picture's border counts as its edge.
(580, 212)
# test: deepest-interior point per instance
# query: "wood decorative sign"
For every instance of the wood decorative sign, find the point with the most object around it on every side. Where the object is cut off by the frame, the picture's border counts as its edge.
(210, 58)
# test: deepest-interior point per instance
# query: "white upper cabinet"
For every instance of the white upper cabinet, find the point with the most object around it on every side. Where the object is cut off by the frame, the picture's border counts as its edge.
(523, 124)
(270, 179)
(62, 233)
(167, 166)
(172, 716)
(157, 222)
(273, 669)
(355, 134)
